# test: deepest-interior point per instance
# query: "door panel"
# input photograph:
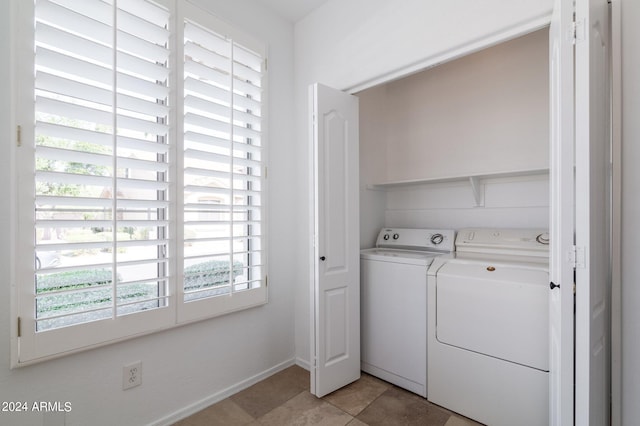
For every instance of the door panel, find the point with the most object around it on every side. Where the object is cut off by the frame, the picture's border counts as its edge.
(592, 211)
(562, 221)
(334, 164)
(335, 343)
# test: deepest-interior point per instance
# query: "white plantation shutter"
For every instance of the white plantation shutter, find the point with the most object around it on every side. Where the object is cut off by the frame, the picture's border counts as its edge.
(137, 213)
(222, 170)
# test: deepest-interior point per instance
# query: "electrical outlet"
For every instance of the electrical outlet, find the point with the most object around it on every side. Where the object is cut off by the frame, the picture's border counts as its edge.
(132, 375)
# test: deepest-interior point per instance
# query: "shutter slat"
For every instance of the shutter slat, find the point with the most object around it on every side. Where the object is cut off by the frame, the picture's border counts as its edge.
(211, 59)
(131, 205)
(245, 149)
(254, 135)
(248, 104)
(92, 18)
(247, 118)
(193, 171)
(133, 64)
(142, 87)
(70, 178)
(247, 74)
(142, 145)
(73, 133)
(203, 37)
(63, 86)
(143, 48)
(211, 75)
(79, 69)
(137, 164)
(142, 28)
(247, 58)
(206, 190)
(206, 139)
(202, 122)
(206, 106)
(144, 126)
(79, 46)
(73, 111)
(247, 89)
(74, 156)
(221, 96)
(206, 156)
(105, 139)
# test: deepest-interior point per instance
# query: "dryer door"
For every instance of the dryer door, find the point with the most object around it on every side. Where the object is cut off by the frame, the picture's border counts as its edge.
(495, 309)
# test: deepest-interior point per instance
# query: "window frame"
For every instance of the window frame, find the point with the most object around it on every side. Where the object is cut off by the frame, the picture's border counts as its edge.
(29, 346)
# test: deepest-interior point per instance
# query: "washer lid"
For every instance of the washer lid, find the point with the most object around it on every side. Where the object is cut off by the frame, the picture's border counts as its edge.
(409, 257)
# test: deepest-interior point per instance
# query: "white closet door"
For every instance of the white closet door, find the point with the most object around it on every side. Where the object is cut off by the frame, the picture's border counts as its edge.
(562, 223)
(593, 277)
(335, 310)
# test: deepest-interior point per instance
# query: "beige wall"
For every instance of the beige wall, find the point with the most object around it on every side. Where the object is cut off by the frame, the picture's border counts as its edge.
(487, 112)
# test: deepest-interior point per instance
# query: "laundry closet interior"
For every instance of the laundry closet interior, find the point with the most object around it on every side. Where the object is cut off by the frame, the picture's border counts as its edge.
(461, 144)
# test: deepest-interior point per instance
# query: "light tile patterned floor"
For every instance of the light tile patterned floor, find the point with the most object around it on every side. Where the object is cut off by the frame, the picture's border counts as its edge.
(284, 399)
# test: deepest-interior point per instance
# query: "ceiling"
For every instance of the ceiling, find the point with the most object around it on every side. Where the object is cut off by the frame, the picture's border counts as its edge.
(293, 10)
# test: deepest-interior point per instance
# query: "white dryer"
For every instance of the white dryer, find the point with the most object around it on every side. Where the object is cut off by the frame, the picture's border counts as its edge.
(488, 327)
(394, 304)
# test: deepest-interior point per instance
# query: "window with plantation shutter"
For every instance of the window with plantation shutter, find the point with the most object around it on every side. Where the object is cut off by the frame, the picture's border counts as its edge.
(141, 199)
(222, 168)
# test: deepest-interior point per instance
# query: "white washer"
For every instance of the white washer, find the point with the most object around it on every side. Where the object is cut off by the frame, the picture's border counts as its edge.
(394, 304)
(488, 330)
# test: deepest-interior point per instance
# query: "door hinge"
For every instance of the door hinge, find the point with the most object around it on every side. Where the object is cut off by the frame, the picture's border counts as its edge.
(576, 257)
(19, 136)
(266, 280)
(19, 327)
(577, 30)
(266, 64)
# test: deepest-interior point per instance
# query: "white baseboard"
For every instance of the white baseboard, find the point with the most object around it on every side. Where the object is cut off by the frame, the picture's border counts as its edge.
(303, 363)
(220, 395)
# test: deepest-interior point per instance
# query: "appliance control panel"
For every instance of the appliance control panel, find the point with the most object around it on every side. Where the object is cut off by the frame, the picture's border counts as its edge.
(530, 242)
(441, 240)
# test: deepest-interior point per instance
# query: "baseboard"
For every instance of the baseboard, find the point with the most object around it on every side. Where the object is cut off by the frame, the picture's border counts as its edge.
(220, 395)
(303, 363)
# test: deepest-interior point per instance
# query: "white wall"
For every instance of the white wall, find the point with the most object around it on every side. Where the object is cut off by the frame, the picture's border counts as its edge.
(190, 365)
(630, 212)
(349, 44)
(345, 44)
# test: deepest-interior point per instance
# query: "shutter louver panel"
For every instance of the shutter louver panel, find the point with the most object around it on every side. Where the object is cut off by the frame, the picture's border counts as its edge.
(102, 201)
(141, 189)
(222, 159)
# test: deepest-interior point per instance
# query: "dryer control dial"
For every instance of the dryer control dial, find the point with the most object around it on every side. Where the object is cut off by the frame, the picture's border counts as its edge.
(543, 238)
(437, 239)
(396, 236)
(386, 237)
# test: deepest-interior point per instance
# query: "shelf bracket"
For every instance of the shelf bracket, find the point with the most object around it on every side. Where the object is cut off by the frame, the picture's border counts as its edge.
(476, 188)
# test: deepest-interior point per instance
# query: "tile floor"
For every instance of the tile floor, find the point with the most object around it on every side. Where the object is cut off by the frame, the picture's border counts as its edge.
(284, 399)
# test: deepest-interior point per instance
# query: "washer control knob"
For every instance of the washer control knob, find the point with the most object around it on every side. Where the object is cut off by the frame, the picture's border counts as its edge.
(437, 239)
(396, 236)
(386, 237)
(543, 238)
